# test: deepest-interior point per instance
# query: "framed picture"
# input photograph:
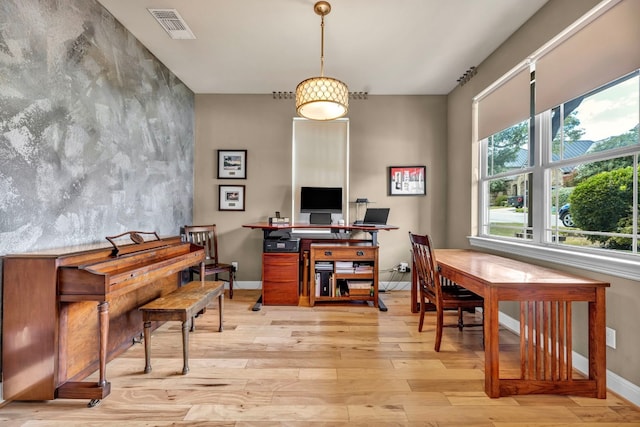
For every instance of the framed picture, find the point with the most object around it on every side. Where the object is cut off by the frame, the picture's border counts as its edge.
(232, 164)
(231, 198)
(407, 180)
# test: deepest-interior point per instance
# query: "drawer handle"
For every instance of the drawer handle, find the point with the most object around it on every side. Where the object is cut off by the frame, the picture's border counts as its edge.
(360, 253)
(328, 253)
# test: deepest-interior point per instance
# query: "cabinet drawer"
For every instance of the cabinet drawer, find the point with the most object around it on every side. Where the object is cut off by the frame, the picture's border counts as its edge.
(279, 267)
(347, 253)
(280, 293)
(280, 273)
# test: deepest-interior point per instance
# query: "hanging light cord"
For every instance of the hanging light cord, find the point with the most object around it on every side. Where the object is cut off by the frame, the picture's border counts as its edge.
(322, 45)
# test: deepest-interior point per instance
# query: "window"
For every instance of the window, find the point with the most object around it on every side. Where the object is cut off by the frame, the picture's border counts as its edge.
(507, 183)
(584, 181)
(592, 200)
(559, 181)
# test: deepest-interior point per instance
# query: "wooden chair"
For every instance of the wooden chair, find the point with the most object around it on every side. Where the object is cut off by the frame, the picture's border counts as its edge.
(444, 296)
(205, 235)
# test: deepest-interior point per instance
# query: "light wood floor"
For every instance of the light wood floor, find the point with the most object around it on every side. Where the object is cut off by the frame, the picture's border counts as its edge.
(300, 366)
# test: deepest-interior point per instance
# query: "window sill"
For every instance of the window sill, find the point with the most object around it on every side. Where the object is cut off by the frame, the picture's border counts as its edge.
(621, 266)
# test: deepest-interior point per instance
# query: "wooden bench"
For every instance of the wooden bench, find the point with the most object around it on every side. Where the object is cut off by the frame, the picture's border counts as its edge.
(183, 304)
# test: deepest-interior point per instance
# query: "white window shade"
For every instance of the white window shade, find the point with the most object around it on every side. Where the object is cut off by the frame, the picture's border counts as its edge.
(603, 50)
(506, 105)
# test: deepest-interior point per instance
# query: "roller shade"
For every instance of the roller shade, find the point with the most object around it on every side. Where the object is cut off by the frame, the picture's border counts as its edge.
(506, 105)
(605, 49)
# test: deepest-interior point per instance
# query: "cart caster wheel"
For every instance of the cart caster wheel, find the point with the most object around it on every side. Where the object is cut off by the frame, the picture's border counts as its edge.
(93, 403)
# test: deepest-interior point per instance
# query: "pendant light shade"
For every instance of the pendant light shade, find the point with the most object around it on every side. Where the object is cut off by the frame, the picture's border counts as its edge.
(322, 98)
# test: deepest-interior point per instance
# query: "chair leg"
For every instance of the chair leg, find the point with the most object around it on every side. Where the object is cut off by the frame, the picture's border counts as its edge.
(231, 283)
(422, 310)
(439, 326)
(460, 319)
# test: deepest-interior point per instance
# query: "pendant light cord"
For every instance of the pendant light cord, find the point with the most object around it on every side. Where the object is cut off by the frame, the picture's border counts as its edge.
(321, 45)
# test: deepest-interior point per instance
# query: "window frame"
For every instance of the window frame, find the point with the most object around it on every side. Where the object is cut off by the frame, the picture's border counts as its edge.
(541, 246)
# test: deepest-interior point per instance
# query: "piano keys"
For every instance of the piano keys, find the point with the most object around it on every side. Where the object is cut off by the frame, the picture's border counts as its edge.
(68, 312)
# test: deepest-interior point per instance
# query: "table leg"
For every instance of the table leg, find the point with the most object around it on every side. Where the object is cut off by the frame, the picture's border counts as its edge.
(597, 343)
(220, 308)
(491, 345)
(185, 344)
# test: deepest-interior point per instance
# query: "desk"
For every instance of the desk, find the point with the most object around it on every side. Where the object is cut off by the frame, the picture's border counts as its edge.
(267, 228)
(307, 240)
(545, 297)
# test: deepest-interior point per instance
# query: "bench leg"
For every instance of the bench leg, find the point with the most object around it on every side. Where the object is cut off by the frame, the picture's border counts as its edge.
(185, 345)
(220, 309)
(147, 347)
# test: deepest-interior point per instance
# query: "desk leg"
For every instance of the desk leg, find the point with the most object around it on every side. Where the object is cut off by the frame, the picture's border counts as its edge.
(597, 343)
(491, 345)
(258, 305)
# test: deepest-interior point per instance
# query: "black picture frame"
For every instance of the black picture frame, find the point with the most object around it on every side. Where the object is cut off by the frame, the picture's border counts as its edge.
(407, 180)
(231, 197)
(232, 164)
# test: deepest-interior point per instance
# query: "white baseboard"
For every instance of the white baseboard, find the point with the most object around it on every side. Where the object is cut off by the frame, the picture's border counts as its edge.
(615, 382)
(247, 284)
(384, 286)
(394, 286)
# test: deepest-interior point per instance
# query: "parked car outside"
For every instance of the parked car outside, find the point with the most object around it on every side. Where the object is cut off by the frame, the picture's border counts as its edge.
(515, 201)
(565, 215)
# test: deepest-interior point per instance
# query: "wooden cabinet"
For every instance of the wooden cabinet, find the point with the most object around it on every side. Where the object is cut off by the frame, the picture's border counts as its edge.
(343, 272)
(280, 278)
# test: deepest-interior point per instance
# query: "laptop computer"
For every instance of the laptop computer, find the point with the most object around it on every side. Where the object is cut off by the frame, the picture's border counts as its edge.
(374, 217)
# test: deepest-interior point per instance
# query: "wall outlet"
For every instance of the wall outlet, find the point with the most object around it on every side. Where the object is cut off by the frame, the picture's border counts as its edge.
(402, 268)
(235, 265)
(611, 337)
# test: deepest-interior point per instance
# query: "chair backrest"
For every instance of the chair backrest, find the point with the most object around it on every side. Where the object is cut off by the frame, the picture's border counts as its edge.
(426, 271)
(206, 236)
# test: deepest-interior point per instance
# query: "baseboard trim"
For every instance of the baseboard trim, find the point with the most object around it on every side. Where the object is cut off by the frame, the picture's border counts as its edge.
(384, 286)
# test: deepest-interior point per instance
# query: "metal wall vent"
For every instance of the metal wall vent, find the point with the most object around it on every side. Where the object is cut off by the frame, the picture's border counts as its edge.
(173, 24)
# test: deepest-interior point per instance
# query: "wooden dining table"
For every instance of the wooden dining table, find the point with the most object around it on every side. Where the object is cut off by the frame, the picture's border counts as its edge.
(545, 297)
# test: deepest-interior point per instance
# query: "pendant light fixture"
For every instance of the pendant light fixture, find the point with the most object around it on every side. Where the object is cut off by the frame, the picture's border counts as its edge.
(322, 98)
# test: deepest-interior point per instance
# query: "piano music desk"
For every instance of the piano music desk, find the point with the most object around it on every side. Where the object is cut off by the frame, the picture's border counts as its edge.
(183, 305)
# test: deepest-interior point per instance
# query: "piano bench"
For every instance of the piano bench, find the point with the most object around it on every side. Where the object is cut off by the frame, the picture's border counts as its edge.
(183, 304)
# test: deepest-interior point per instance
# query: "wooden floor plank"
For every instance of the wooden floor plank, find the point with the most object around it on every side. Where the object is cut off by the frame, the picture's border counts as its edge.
(316, 366)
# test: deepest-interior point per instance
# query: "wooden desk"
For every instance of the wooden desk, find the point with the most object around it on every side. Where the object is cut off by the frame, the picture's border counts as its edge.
(267, 228)
(305, 241)
(545, 297)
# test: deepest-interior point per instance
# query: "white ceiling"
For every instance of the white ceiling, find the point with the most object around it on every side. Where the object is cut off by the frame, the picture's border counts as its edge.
(383, 47)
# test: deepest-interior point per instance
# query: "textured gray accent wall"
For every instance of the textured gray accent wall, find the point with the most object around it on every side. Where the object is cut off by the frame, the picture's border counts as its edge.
(96, 135)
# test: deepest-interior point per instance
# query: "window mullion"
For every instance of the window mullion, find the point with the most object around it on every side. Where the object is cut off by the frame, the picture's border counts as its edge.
(540, 187)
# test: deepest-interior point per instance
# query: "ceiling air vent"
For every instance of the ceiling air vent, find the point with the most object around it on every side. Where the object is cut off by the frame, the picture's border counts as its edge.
(172, 23)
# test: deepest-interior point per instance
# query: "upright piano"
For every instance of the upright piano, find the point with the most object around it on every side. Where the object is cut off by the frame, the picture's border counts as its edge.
(68, 312)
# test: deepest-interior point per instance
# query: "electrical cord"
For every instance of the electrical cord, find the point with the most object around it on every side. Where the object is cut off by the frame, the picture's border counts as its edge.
(394, 280)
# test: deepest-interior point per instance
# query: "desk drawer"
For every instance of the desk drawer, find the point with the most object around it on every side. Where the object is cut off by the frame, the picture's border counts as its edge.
(347, 253)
